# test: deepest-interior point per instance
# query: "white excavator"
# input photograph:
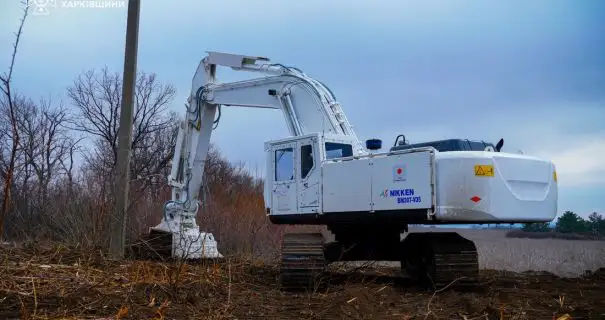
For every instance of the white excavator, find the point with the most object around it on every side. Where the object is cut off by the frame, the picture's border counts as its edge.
(324, 175)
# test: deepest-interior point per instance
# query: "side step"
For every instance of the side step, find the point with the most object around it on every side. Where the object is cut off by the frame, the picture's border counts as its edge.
(439, 259)
(302, 261)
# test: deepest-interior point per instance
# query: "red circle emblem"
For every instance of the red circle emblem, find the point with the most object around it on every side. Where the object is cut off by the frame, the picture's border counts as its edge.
(399, 170)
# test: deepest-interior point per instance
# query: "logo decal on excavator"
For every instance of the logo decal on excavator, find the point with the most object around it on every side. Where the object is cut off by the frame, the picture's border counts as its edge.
(402, 195)
(399, 172)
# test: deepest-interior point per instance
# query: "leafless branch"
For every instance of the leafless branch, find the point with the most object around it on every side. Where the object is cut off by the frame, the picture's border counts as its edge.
(97, 96)
(6, 79)
(6, 89)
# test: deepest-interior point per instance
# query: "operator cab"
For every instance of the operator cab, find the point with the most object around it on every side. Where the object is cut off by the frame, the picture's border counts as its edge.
(448, 145)
(293, 183)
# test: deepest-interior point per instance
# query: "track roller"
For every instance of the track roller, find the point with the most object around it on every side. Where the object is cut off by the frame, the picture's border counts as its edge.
(302, 261)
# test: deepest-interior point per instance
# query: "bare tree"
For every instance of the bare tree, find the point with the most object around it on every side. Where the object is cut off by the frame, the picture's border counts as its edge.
(7, 90)
(46, 143)
(44, 148)
(12, 156)
(97, 97)
(67, 163)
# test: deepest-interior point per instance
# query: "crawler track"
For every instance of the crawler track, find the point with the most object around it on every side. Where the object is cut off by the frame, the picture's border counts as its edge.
(302, 261)
(438, 259)
(459, 263)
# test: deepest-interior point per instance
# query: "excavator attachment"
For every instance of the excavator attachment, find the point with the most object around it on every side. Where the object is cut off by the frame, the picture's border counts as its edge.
(165, 245)
(178, 235)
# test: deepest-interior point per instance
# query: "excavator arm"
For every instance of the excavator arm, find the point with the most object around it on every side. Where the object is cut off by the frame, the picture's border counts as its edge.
(307, 104)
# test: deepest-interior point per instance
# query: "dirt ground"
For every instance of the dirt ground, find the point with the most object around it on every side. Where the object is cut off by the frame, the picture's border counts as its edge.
(62, 283)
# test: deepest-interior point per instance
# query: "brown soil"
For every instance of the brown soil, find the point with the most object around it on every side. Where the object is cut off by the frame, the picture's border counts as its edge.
(61, 283)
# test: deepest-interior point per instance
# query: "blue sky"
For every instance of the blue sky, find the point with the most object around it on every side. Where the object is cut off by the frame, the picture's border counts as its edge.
(532, 72)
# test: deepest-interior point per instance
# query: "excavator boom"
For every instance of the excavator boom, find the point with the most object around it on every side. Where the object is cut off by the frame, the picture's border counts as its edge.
(307, 104)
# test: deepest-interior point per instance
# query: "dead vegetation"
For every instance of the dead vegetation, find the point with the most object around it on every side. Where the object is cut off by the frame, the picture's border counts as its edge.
(59, 282)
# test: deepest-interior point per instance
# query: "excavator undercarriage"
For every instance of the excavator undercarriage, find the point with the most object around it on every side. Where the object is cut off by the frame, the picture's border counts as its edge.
(430, 259)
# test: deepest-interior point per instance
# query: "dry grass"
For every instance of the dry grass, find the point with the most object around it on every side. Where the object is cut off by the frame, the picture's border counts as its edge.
(59, 282)
(70, 284)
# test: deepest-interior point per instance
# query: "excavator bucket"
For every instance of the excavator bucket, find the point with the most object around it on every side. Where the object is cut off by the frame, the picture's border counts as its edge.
(164, 245)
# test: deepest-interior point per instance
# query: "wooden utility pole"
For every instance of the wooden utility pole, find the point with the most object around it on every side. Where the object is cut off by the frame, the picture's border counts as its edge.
(121, 187)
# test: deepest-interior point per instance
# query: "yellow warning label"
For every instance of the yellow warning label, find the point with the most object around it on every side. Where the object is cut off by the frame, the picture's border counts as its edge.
(483, 170)
(554, 175)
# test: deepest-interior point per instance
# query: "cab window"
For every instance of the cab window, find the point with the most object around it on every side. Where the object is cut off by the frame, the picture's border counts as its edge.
(338, 150)
(284, 164)
(306, 160)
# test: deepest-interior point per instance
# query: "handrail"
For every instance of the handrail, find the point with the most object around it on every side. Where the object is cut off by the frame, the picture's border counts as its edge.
(382, 154)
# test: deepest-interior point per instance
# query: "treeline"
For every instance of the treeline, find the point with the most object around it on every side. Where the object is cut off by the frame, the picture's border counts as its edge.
(62, 174)
(568, 226)
(63, 162)
(58, 160)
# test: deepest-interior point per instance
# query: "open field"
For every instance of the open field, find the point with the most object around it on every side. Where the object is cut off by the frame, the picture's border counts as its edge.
(65, 283)
(555, 235)
(564, 258)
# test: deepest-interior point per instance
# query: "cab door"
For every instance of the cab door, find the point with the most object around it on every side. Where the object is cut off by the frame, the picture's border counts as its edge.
(283, 197)
(308, 175)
